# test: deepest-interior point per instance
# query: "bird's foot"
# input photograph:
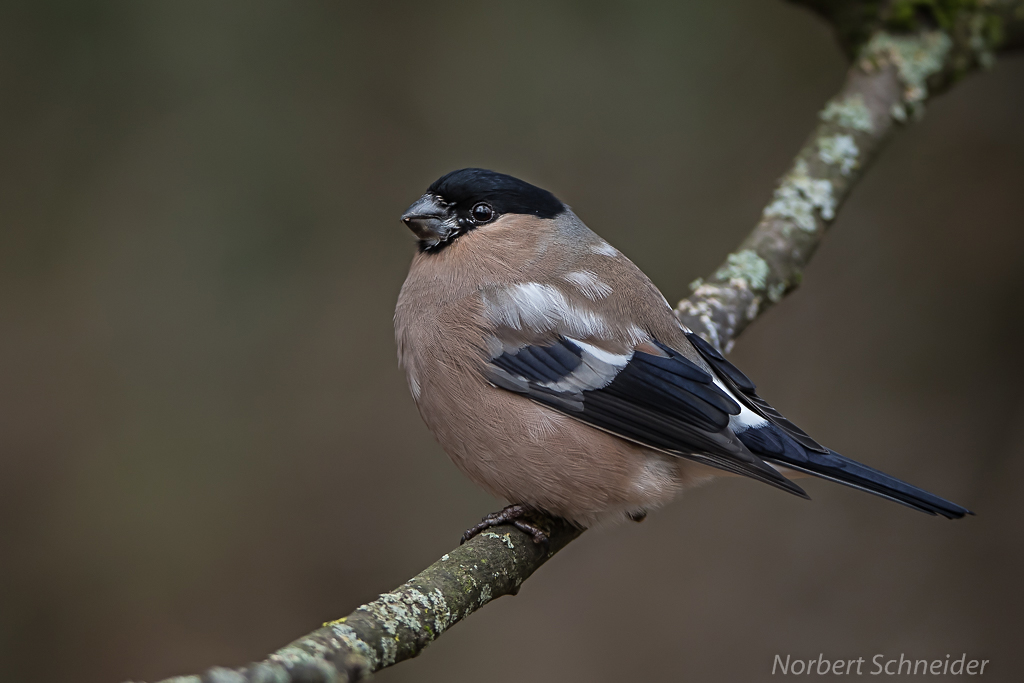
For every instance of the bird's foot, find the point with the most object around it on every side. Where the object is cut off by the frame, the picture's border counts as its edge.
(512, 514)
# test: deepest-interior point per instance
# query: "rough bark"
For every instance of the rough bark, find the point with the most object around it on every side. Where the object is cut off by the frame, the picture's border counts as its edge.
(904, 51)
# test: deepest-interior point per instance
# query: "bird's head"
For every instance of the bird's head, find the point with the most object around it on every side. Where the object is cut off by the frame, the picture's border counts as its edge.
(467, 199)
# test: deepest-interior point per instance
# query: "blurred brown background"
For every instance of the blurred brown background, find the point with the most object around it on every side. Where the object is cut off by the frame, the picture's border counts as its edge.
(207, 448)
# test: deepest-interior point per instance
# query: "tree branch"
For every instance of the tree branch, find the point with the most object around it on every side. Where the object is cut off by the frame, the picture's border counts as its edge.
(399, 624)
(888, 84)
(905, 51)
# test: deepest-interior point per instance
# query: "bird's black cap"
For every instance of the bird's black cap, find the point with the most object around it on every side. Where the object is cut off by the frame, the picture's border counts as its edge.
(468, 186)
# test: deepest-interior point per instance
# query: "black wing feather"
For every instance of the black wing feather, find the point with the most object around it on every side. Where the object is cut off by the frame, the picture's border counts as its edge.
(746, 391)
(668, 404)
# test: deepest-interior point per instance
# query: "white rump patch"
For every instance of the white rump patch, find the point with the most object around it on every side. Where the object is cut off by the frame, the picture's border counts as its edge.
(747, 419)
(589, 284)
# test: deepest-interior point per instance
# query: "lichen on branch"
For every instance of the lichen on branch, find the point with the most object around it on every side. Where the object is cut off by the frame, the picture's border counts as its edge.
(904, 52)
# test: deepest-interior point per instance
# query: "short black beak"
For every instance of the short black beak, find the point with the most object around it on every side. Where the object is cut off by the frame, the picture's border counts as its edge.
(426, 218)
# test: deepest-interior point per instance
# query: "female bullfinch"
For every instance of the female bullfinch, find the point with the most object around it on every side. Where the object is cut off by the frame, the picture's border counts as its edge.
(557, 376)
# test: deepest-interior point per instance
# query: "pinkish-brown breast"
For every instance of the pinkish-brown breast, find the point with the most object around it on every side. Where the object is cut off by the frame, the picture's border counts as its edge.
(516, 278)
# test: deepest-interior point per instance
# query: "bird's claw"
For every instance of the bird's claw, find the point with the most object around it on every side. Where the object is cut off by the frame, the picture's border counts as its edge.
(511, 514)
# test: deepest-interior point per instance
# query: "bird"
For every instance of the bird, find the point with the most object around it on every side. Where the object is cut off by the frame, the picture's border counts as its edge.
(558, 378)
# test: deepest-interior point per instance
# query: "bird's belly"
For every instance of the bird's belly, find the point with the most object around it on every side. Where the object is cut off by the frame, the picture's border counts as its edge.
(527, 453)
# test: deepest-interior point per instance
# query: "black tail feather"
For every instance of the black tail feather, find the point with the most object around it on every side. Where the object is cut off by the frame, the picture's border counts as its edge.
(835, 467)
(858, 476)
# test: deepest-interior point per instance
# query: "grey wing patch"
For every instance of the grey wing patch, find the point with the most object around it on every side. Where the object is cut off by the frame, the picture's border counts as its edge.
(539, 308)
(532, 309)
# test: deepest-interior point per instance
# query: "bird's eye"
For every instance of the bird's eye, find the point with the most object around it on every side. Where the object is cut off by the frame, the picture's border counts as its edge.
(482, 212)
